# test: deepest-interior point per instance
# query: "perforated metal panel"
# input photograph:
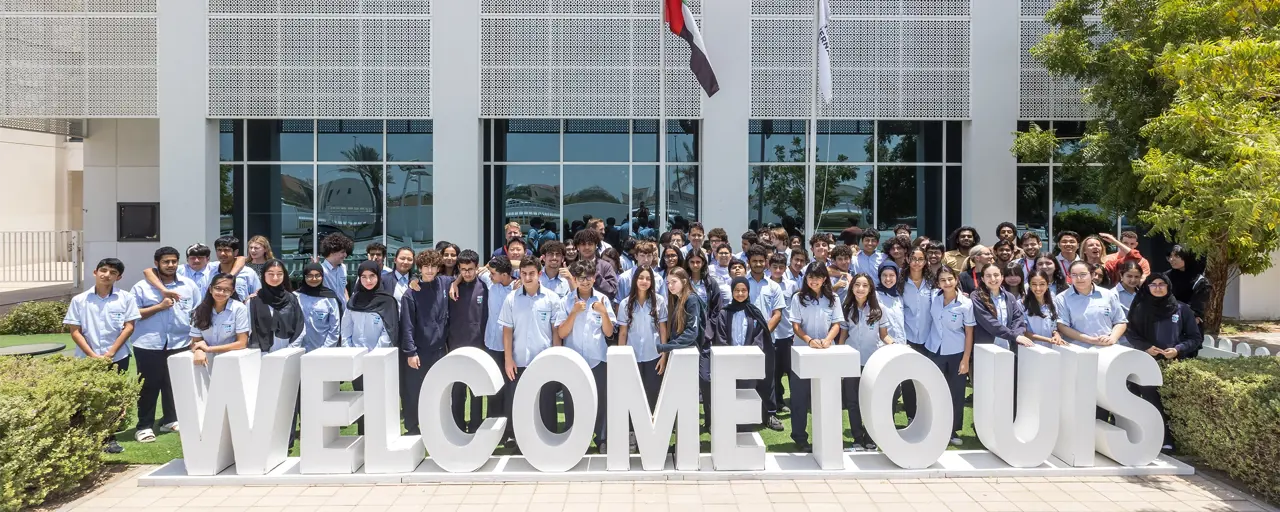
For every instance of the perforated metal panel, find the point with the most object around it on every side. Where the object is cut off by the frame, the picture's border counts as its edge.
(284, 59)
(889, 59)
(71, 127)
(1044, 96)
(581, 58)
(77, 58)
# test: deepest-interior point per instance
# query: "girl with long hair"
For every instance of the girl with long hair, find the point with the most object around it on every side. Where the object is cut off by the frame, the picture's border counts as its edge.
(1100, 276)
(276, 316)
(815, 318)
(951, 342)
(866, 329)
(642, 323)
(1042, 315)
(1057, 279)
(1094, 250)
(699, 274)
(917, 284)
(1001, 319)
(1128, 288)
(669, 257)
(1015, 280)
(221, 322)
(449, 252)
(258, 251)
(686, 328)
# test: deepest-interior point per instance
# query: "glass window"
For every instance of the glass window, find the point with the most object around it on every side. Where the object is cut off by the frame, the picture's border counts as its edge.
(273, 140)
(842, 197)
(597, 190)
(644, 140)
(596, 140)
(231, 200)
(349, 141)
(845, 141)
(774, 192)
(777, 140)
(1076, 191)
(526, 140)
(1070, 133)
(409, 140)
(955, 199)
(644, 200)
(682, 193)
(350, 201)
(409, 206)
(910, 141)
(1033, 200)
(230, 140)
(955, 142)
(280, 204)
(682, 140)
(524, 192)
(911, 196)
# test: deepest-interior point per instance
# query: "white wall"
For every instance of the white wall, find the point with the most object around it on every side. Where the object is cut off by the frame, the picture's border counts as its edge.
(121, 164)
(33, 202)
(1258, 298)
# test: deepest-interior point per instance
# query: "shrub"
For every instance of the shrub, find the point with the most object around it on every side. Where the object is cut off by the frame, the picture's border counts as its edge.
(35, 318)
(1227, 412)
(55, 413)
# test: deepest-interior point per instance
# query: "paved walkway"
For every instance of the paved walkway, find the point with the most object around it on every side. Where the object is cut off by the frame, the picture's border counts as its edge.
(1093, 494)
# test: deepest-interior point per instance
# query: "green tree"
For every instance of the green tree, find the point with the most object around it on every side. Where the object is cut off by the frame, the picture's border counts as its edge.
(1213, 166)
(780, 187)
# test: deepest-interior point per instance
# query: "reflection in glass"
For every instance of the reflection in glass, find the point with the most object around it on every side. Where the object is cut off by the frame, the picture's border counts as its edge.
(351, 202)
(682, 192)
(955, 200)
(1070, 133)
(955, 142)
(776, 140)
(524, 192)
(774, 192)
(682, 140)
(910, 141)
(230, 200)
(409, 140)
(644, 140)
(596, 190)
(230, 140)
(1076, 192)
(1033, 200)
(596, 140)
(409, 206)
(911, 196)
(280, 204)
(644, 200)
(349, 140)
(526, 140)
(842, 197)
(845, 141)
(273, 140)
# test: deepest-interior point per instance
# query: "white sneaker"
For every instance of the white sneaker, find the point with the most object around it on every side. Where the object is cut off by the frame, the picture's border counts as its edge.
(955, 441)
(144, 436)
(169, 427)
(854, 449)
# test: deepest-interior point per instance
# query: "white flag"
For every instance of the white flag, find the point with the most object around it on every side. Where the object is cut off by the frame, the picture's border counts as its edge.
(824, 51)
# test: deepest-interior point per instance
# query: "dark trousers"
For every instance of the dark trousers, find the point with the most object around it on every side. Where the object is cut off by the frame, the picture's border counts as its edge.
(801, 401)
(908, 388)
(849, 388)
(601, 377)
(651, 381)
(358, 385)
(775, 369)
(950, 368)
(498, 401)
(411, 388)
(459, 406)
(704, 387)
(1152, 395)
(546, 404)
(122, 366)
(154, 373)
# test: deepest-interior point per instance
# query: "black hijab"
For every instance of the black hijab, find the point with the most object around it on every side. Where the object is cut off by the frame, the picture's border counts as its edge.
(275, 312)
(746, 305)
(1148, 307)
(376, 300)
(892, 292)
(320, 292)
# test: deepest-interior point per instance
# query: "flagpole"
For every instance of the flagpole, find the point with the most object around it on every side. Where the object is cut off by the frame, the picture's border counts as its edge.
(662, 119)
(811, 153)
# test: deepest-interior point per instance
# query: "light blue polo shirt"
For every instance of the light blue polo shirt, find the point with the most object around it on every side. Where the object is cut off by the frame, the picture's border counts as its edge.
(916, 301)
(738, 329)
(321, 325)
(894, 315)
(947, 336)
(247, 281)
(624, 283)
(642, 332)
(557, 284)
(869, 263)
(1093, 315)
(200, 277)
(815, 318)
(102, 319)
(863, 336)
(587, 337)
(335, 278)
(493, 331)
(784, 329)
(766, 295)
(1126, 300)
(364, 329)
(168, 328)
(532, 319)
(225, 325)
(1043, 324)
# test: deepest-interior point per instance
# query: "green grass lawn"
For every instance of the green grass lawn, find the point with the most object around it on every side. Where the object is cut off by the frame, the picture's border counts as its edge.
(168, 447)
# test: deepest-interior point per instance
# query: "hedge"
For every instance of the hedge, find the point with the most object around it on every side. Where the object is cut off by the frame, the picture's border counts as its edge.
(55, 414)
(35, 318)
(1227, 413)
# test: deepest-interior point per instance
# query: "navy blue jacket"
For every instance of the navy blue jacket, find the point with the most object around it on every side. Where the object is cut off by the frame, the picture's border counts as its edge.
(989, 326)
(424, 318)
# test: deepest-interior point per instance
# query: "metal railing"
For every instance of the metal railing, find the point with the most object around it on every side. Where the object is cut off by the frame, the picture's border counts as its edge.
(40, 257)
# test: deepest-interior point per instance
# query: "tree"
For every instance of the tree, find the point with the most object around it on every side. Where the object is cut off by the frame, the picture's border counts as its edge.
(1179, 88)
(1214, 162)
(780, 187)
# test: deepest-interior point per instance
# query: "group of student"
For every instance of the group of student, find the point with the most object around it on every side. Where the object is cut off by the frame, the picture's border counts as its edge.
(685, 289)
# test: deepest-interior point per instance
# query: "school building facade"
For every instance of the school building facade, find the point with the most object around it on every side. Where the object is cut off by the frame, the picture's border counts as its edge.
(414, 121)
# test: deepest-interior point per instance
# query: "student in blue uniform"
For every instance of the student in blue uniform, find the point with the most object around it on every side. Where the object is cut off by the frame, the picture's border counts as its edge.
(1000, 315)
(866, 329)
(1130, 284)
(220, 323)
(321, 312)
(642, 325)
(424, 322)
(767, 297)
(1166, 329)
(917, 296)
(697, 266)
(743, 324)
(101, 320)
(528, 318)
(335, 248)
(277, 318)
(468, 316)
(164, 329)
(1042, 316)
(950, 341)
(397, 279)
(247, 280)
(1090, 315)
(372, 320)
(498, 283)
(588, 322)
(815, 320)
(783, 334)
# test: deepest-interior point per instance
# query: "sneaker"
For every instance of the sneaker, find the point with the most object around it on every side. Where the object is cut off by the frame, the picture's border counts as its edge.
(871, 447)
(775, 424)
(1168, 448)
(113, 447)
(169, 427)
(803, 447)
(144, 436)
(631, 444)
(785, 410)
(602, 448)
(855, 448)
(955, 441)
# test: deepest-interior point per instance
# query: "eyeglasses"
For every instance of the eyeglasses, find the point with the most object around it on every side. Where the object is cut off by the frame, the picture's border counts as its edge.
(1158, 284)
(1082, 276)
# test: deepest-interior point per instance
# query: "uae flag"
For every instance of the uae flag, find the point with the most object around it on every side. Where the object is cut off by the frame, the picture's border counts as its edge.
(681, 22)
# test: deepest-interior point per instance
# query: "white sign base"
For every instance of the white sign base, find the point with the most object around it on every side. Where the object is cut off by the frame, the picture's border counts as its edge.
(952, 464)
